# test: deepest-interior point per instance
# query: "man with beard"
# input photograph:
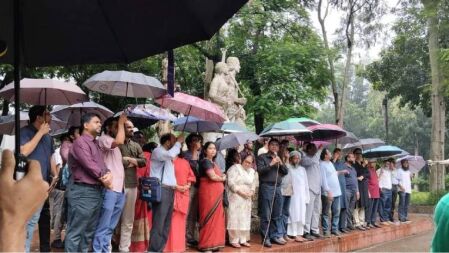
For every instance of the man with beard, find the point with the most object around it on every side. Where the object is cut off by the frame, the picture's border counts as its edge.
(132, 158)
(405, 189)
(114, 199)
(352, 192)
(271, 171)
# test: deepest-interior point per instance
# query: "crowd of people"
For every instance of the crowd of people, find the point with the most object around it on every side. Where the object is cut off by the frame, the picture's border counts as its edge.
(207, 195)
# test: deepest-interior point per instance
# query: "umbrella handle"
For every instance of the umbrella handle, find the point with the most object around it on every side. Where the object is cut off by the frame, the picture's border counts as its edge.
(187, 119)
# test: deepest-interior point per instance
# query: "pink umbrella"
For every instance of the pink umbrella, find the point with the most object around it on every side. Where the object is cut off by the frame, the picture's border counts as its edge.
(45, 92)
(191, 105)
(324, 132)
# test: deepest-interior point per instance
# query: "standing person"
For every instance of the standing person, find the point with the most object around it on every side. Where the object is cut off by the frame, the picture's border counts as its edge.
(210, 198)
(140, 236)
(340, 168)
(184, 179)
(194, 143)
(311, 162)
(248, 149)
(286, 189)
(133, 158)
(37, 144)
(241, 186)
(385, 185)
(114, 198)
(300, 197)
(89, 178)
(57, 199)
(162, 168)
(330, 195)
(271, 171)
(264, 149)
(394, 188)
(374, 195)
(352, 192)
(362, 204)
(139, 137)
(404, 177)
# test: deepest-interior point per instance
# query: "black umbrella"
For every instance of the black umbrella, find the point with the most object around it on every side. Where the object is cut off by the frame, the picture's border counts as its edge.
(55, 32)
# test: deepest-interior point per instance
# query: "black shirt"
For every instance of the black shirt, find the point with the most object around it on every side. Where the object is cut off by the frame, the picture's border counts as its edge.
(267, 173)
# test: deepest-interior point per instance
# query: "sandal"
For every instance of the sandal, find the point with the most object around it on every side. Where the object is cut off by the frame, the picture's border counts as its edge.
(300, 239)
(246, 244)
(235, 245)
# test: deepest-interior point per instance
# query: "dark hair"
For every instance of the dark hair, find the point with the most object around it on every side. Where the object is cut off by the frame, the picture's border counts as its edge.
(272, 140)
(191, 138)
(391, 160)
(108, 124)
(164, 138)
(138, 133)
(64, 137)
(149, 147)
(356, 150)
(232, 157)
(204, 149)
(72, 130)
(86, 118)
(323, 154)
(245, 155)
(285, 142)
(347, 156)
(309, 146)
(36, 110)
(337, 150)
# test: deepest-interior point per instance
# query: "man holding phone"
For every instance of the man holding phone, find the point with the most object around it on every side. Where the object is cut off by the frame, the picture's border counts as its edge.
(37, 144)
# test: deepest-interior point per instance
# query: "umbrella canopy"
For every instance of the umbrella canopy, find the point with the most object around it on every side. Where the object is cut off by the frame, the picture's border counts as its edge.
(45, 92)
(108, 31)
(382, 151)
(365, 144)
(144, 116)
(233, 127)
(285, 128)
(235, 139)
(304, 121)
(7, 123)
(194, 125)
(324, 132)
(349, 138)
(73, 113)
(415, 163)
(191, 105)
(125, 84)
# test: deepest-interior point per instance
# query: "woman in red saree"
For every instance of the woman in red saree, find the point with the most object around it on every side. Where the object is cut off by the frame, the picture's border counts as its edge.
(184, 179)
(210, 196)
(142, 215)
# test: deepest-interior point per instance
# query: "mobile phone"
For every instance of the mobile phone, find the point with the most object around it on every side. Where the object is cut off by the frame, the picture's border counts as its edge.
(21, 167)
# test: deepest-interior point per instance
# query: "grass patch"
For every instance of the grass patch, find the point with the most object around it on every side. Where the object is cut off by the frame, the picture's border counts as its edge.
(426, 198)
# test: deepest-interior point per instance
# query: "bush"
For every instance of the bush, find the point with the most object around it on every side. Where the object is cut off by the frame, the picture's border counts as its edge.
(426, 198)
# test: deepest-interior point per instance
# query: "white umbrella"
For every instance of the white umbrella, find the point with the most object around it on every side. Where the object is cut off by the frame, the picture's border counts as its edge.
(416, 163)
(365, 144)
(73, 113)
(45, 92)
(7, 123)
(126, 84)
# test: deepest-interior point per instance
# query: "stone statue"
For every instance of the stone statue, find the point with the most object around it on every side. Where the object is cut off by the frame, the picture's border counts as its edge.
(219, 92)
(235, 112)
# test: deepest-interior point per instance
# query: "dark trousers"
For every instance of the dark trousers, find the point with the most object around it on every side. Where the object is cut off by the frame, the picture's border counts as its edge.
(192, 217)
(44, 228)
(84, 206)
(285, 213)
(275, 229)
(371, 215)
(328, 207)
(162, 214)
(404, 201)
(351, 198)
(385, 205)
(394, 197)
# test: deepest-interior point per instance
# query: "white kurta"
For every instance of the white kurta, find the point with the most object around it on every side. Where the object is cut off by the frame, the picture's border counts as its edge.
(239, 209)
(298, 201)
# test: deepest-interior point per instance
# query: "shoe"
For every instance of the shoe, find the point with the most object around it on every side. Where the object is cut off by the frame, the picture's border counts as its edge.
(344, 231)
(376, 226)
(299, 239)
(360, 228)
(316, 235)
(279, 241)
(282, 240)
(350, 228)
(385, 223)
(326, 234)
(336, 233)
(267, 244)
(57, 244)
(288, 239)
(192, 243)
(308, 237)
(391, 222)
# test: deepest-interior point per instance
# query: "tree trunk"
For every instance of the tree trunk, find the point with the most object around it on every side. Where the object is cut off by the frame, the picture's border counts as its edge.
(330, 60)
(347, 74)
(208, 75)
(437, 172)
(255, 87)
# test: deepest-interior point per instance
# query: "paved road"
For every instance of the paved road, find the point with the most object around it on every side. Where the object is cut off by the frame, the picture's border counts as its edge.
(416, 243)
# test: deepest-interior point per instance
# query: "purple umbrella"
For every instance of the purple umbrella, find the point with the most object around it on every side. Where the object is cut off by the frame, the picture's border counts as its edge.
(323, 132)
(73, 113)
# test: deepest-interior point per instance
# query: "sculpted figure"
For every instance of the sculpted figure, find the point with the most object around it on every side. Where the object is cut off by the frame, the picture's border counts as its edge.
(235, 111)
(219, 92)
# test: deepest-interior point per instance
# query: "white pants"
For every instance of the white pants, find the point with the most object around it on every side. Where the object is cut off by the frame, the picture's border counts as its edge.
(359, 216)
(127, 219)
(313, 211)
(295, 229)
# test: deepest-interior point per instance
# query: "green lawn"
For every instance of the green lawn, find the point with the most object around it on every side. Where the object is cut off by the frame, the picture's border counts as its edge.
(426, 198)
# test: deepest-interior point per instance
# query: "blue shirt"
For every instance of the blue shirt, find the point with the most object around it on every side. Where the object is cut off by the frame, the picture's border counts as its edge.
(351, 179)
(43, 151)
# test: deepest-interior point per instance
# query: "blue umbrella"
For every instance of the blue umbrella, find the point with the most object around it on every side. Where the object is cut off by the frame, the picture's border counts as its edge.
(233, 127)
(285, 128)
(194, 125)
(235, 140)
(382, 151)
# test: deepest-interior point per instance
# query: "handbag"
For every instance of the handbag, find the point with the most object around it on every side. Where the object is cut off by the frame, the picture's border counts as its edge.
(151, 187)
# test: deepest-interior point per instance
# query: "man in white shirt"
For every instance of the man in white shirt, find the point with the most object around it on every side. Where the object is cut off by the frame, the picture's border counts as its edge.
(162, 168)
(385, 186)
(404, 178)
